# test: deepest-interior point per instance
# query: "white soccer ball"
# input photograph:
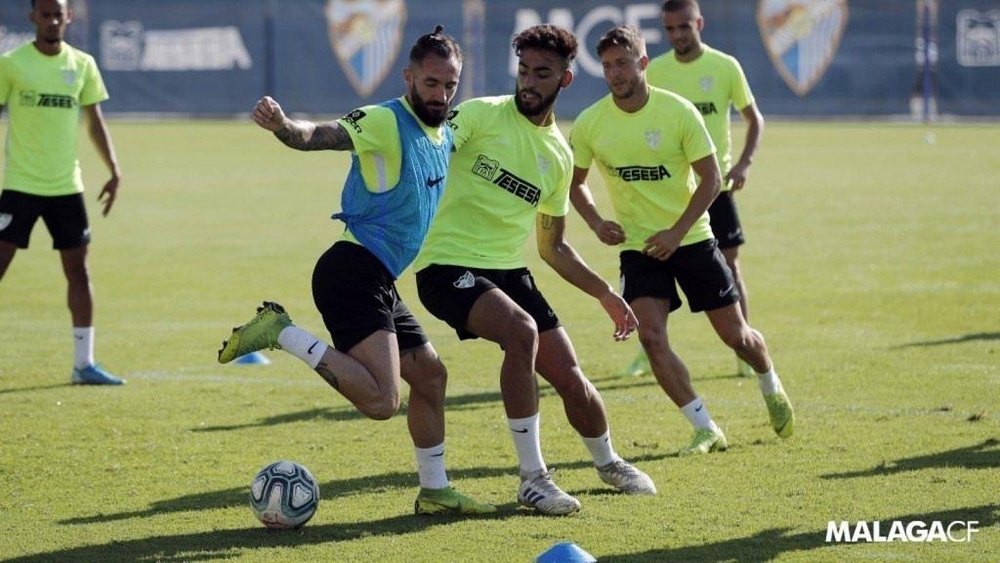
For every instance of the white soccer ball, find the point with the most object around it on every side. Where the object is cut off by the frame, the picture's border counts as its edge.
(284, 495)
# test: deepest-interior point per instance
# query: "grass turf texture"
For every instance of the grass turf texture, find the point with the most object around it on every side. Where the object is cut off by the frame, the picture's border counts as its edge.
(872, 268)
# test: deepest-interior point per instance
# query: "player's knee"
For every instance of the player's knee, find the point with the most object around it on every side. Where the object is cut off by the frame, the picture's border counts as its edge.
(522, 336)
(652, 338)
(382, 409)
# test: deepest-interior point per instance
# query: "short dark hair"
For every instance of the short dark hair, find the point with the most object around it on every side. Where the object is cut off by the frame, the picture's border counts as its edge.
(678, 5)
(435, 43)
(547, 37)
(627, 37)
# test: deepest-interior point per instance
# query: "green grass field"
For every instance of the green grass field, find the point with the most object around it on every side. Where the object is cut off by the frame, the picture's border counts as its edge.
(873, 272)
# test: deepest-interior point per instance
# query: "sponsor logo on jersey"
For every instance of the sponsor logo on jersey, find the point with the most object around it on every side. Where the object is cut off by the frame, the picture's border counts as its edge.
(488, 169)
(366, 36)
(353, 118)
(56, 101)
(801, 37)
(642, 173)
(706, 108)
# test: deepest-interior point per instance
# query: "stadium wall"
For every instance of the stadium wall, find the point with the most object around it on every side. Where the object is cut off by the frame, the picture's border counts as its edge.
(802, 57)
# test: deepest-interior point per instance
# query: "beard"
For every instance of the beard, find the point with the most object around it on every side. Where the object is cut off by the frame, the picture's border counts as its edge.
(631, 87)
(543, 106)
(433, 115)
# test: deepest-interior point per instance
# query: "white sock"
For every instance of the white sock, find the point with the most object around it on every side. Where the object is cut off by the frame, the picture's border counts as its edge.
(600, 449)
(430, 467)
(697, 413)
(527, 443)
(769, 382)
(83, 346)
(302, 345)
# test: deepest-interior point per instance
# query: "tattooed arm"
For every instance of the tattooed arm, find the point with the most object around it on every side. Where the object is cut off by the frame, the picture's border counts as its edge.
(301, 135)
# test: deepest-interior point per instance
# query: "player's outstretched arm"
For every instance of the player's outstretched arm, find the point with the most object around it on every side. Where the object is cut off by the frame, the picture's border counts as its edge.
(562, 258)
(97, 129)
(608, 232)
(300, 135)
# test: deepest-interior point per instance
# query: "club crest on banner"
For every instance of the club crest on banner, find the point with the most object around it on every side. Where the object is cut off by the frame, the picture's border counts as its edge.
(801, 37)
(366, 36)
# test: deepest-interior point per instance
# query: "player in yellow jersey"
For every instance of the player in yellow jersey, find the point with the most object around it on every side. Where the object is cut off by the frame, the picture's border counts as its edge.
(712, 81)
(649, 145)
(45, 83)
(510, 172)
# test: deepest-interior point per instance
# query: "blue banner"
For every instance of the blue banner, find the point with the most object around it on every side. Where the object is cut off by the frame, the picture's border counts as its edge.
(801, 57)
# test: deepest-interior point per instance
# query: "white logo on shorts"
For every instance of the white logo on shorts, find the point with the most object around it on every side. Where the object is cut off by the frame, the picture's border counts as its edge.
(5, 219)
(726, 291)
(466, 281)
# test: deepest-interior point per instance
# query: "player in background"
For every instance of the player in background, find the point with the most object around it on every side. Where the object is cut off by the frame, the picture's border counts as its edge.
(401, 152)
(511, 171)
(712, 81)
(46, 83)
(648, 145)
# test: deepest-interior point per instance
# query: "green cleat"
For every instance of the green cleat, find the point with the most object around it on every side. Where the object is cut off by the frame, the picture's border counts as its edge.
(448, 501)
(705, 440)
(261, 332)
(779, 408)
(638, 366)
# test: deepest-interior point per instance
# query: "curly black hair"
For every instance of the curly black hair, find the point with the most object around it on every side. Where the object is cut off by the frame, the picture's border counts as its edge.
(549, 38)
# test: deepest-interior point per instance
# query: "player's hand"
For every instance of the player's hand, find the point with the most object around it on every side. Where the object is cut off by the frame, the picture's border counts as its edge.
(108, 195)
(268, 114)
(621, 314)
(737, 176)
(610, 233)
(662, 244)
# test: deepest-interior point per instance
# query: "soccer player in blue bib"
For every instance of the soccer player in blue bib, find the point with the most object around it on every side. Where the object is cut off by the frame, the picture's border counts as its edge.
(401, 150)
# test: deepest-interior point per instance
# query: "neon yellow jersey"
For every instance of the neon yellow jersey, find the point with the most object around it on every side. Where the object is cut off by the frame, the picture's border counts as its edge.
(645, 159)
(505, 171)
(44, 95)
(375, 136)
(711, 82)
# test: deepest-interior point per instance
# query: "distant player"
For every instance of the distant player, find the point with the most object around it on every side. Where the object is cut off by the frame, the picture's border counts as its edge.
(46, 83)
(648, 145)
(712, 81)
(511, 172)
(401, 152)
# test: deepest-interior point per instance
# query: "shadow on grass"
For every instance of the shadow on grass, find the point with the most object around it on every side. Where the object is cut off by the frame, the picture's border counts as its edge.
(231, 544)
(973, 337)
(349, 413)
(367, 485)
(978, 456)
(35, 388)
(470, 401)
(770, 544)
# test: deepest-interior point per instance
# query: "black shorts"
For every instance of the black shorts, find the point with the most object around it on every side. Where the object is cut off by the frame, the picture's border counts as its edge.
(449, 292)
(700, 270)
(64, 215)
(357, 296)
(725, 221)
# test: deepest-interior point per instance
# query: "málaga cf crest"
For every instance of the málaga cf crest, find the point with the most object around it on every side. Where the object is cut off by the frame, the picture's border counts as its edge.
(366, 36)
(801, 37)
